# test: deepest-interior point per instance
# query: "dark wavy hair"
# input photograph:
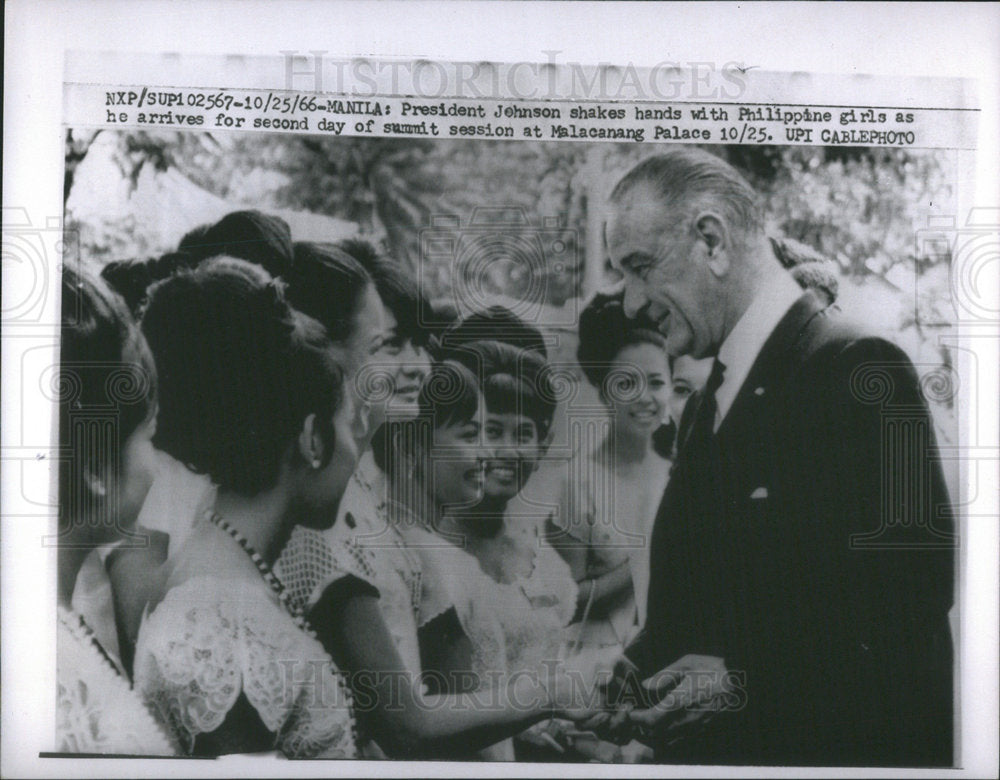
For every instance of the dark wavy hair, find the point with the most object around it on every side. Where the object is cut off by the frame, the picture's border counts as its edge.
(604, 332)
(261, 239)
(240, 371)
(513, 380)
(132, 278)
(396, 287)
(449, 395)
(496, 323)
(327, 284)
(106, 374)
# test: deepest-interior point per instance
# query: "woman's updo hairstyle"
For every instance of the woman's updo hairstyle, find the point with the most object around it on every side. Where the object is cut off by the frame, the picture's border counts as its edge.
(514, 380)
(261, 239)
(327, 284)
(132, 278)
(240, 371)
(397, 288)
(106, 375)
(496, 323)
(604, 332)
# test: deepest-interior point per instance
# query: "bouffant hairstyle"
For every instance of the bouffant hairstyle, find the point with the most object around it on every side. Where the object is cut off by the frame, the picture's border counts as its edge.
(604, 332)
(513, 380)
(449, 395)
(259, 238)
(106, 373)
(327, 284)
(396, 287)
(496, 323)
(132, 278)
(240, 370)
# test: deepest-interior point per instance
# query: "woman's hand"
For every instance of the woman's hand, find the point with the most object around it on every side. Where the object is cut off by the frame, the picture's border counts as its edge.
(577, 686)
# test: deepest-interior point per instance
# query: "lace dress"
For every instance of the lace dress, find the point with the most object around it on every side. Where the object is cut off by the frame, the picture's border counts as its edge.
(513, 627)
(96, 709)
(362, 544)
(213, 639)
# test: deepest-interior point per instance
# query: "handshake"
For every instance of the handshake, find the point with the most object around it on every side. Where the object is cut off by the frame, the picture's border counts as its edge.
(673, 704)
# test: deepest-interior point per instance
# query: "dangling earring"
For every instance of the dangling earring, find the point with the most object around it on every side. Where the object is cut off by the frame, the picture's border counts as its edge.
(316, 463)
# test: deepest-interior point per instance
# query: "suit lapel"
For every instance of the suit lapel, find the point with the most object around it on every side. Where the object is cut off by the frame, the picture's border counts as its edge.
(773, 363)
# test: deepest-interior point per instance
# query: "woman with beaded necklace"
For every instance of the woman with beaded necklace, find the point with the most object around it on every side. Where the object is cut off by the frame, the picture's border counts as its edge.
(222, 655)
(107, 407)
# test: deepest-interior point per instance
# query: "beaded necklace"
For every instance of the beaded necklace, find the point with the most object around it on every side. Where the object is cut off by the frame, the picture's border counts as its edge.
(83, 633)
(266, 573)
(296, 613)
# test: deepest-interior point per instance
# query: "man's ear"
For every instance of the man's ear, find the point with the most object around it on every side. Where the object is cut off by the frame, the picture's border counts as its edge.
(713, 234)
(311, 444)
(95, 484)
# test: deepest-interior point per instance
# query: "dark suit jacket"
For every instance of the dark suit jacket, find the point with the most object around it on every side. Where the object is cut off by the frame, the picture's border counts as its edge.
(811, 545)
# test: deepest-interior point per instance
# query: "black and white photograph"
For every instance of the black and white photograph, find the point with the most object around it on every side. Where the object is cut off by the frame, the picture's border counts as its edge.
(397, 419)
(613, 415)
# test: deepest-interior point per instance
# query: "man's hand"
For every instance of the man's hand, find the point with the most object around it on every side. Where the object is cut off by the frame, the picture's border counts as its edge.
(689, 691)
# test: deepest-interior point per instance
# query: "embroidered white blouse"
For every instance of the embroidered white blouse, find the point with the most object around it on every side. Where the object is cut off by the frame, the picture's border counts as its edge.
(96, 709)
(213, 638)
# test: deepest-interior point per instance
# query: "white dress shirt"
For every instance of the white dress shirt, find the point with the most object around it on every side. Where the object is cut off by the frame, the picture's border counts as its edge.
(742, 346)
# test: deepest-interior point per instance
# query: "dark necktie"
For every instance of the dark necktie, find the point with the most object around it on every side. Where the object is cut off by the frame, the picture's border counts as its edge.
(703, 418)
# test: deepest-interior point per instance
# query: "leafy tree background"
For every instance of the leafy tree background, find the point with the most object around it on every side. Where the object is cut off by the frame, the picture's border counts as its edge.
(861, 207)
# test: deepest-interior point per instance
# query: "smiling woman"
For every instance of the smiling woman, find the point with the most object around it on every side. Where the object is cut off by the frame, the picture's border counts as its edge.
(609, 500)
(391, 592)
(402, 361)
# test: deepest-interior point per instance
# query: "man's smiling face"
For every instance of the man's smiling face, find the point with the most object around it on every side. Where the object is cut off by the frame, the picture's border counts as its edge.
(661, 257)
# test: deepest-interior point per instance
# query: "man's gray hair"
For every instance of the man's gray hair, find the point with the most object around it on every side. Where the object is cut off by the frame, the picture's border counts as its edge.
(688, 178)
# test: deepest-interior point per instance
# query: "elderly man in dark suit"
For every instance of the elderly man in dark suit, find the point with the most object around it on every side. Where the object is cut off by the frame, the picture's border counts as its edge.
(803, 554)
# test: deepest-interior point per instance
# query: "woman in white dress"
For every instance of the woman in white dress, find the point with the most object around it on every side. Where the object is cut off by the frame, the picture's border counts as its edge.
(107, 405)
(610, 497)
(222, 655)
(392, 575)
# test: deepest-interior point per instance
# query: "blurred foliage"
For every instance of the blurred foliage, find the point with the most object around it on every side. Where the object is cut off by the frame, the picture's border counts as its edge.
(859, 206)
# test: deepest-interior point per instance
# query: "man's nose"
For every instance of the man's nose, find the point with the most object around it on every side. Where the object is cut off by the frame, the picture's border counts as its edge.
(634, 300)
